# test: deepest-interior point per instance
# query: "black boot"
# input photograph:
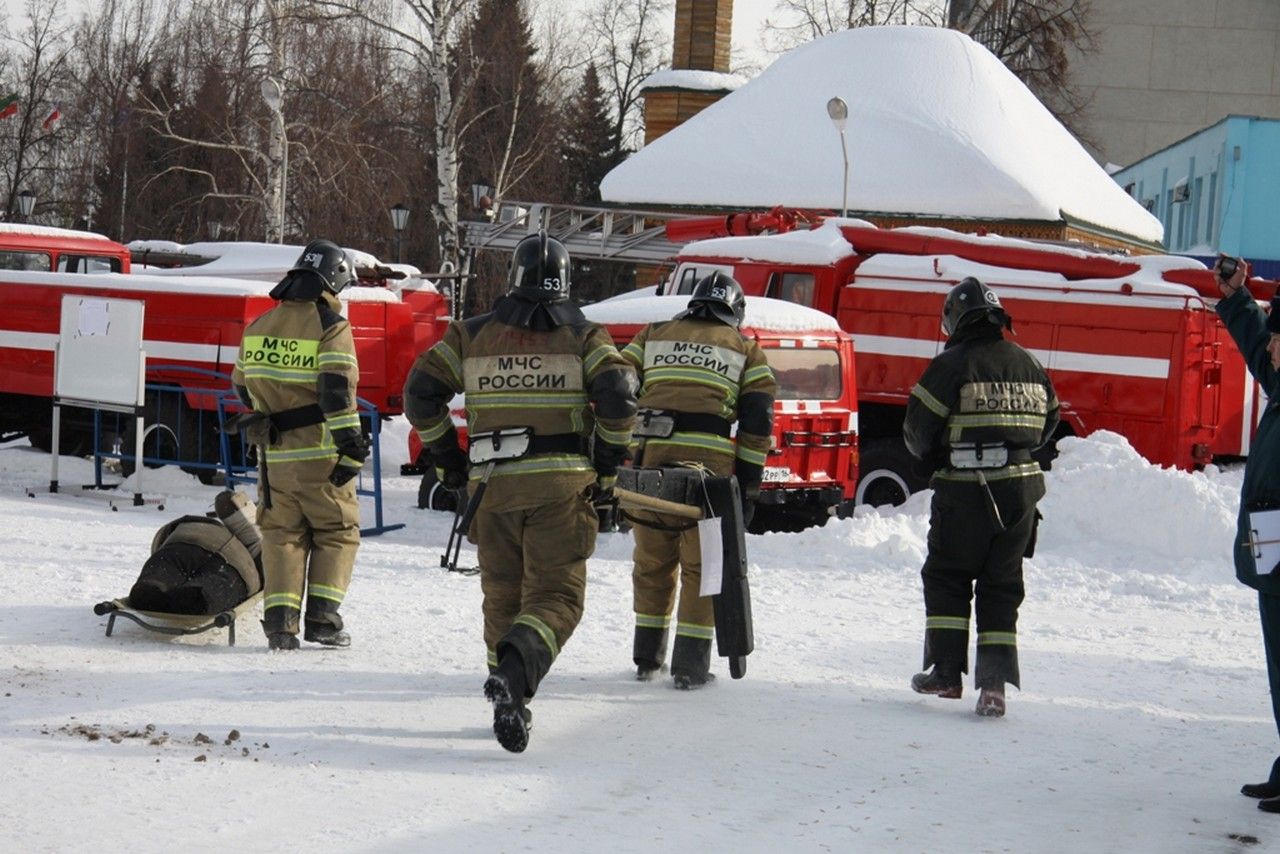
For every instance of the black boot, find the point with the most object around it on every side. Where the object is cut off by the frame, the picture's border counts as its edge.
(282, 641)
(280, 625)
(325, 629)
(691, 662)
(505, 689)
(990, 702)
(1269, 804)
(1269, 789)
(649, 651)
(942, 681)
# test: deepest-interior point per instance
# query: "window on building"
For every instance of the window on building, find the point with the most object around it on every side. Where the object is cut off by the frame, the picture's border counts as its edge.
(1213, 198)
(1196, 189)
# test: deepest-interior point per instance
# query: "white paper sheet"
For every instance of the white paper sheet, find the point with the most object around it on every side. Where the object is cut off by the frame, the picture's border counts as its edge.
(712, 545)
(1264, 539)
(93, 318)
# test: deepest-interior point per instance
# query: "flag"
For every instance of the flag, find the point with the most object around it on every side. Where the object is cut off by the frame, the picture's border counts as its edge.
(9, 106)
(53, 118)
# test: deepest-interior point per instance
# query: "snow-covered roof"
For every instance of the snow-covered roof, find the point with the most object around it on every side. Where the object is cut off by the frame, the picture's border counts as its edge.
(763, 314)
(937, 126)
(688, 78)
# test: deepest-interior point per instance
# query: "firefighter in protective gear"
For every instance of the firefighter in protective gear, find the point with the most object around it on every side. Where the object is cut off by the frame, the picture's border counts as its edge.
(699, 375)
(297, 372)
(550, 404)
(979, 410)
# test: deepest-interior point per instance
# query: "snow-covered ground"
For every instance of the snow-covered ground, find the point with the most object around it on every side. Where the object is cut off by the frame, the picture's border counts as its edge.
(1145, 703)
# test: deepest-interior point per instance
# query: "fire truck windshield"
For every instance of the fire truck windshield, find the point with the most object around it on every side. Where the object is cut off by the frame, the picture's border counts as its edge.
(806, 373)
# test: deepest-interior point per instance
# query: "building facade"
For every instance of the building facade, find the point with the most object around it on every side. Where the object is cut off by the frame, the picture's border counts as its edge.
(1216, 191)
(1165, 69)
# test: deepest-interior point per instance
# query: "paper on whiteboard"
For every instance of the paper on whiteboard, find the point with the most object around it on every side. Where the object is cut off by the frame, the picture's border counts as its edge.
(93, 318)
(1264, 540)
(712, 545)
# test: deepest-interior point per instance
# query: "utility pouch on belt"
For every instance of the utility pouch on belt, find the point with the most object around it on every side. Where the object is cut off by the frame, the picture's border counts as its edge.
(255, 427)
(654, 424)
(500, 445)
(979, 456)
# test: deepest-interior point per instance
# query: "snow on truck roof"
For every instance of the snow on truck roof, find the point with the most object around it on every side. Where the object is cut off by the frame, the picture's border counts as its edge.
(763, 314)
(826, 245)
(937, 126)
(148, 283)
(22, 228)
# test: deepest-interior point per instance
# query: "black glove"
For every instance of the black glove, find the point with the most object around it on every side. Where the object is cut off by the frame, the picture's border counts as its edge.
(351, 456)
(451, 468)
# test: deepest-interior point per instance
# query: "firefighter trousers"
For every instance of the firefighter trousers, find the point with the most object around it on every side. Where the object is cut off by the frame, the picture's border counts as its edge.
(533, 574)
(310, 535)
(659, 557)
(971, 558)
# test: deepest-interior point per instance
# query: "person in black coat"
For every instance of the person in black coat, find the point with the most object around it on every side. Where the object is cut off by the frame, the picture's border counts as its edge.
(1258, 337)
(979, 410)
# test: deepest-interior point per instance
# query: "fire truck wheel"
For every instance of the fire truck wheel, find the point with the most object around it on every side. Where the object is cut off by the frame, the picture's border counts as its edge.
(433, 496)
(888, 473)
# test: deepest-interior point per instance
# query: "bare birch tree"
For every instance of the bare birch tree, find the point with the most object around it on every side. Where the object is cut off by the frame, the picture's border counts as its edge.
(630, 45)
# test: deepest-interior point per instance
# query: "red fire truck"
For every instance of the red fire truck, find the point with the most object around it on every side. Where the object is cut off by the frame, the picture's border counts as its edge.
(1132, 343)
(812, 471)
(192, 329)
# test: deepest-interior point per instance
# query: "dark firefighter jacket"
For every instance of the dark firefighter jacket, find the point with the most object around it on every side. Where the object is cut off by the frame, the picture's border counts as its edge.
(1261, 489)
(703, 366)
(983, 389)
(568, 379)
(302, 354)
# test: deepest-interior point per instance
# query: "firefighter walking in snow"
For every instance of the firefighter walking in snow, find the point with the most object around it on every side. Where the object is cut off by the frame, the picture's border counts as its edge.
(699, 375)
(550, 405)
(975, 416)
(297, 372)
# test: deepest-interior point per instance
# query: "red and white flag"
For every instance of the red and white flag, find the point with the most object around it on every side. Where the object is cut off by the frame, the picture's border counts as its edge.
(53, 118)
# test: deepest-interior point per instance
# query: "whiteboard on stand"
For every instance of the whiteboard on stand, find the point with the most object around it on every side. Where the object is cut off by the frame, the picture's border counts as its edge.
(100, 358)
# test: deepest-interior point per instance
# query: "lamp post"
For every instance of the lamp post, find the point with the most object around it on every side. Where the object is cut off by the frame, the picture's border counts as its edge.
(26, 204)
(88, 216)
(399, 219)
(273, 96)
(838, 110)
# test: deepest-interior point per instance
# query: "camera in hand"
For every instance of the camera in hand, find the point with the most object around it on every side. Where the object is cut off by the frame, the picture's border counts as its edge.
(1227, 267)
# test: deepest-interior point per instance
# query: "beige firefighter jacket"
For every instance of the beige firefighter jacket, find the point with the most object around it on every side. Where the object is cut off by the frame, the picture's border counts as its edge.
(302, 353)
(568, 380)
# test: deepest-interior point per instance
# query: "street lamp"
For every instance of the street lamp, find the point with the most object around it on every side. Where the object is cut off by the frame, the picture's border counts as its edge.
(482, 197)
(273, 96)
(399, 219)
(26, 204)
(838, 110)
(88, 216)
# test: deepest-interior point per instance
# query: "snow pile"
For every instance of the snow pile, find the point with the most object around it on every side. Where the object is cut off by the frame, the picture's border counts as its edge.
(689, 78)
(937, 126)
(763, 314)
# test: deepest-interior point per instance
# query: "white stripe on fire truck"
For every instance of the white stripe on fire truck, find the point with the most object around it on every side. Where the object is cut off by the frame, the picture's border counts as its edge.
(172, 350)
(1057, 360)
(794, 406)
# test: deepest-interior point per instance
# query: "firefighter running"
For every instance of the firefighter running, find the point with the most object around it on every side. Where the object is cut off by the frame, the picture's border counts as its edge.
(297, 371)
(550, 405)
(978, 411)
(699, 375)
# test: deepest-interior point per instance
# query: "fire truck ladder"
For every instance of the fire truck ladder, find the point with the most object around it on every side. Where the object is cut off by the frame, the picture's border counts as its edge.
(610, 234)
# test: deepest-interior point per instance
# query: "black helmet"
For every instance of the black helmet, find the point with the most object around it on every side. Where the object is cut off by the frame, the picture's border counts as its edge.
(328, 261)
(540, 269)
(969, 297)
(720, 296)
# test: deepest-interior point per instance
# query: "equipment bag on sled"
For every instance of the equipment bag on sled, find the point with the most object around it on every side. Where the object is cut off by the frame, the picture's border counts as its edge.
(203, 572)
